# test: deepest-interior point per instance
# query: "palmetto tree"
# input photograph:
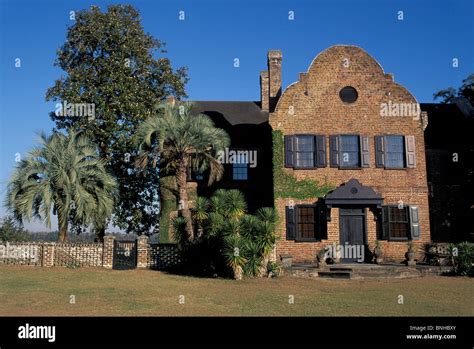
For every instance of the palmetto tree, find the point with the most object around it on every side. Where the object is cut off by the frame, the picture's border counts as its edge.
(180, 140)
(63, 176)
(247, 239)
(227, 209)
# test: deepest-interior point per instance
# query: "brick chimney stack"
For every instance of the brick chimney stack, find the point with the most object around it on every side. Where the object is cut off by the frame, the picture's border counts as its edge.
(270, 81)
(274, 77)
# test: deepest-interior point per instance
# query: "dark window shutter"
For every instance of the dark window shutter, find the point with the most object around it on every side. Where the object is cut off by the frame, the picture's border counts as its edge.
(365, 151)
(320, 151)
(334, 151)
(414, 223)
(322, 233)
(410, 151)
(291, 223)
(289, 152)
(379, 151)
(385, 223)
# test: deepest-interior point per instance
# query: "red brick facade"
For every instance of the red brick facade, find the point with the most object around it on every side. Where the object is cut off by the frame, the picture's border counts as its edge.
(312, 105)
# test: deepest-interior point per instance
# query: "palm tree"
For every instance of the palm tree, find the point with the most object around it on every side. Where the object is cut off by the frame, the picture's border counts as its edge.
(225, 221)
(180, 140)
(65, 176)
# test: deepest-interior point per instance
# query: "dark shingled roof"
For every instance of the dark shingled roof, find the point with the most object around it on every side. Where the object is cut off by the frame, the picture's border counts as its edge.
(235, 112)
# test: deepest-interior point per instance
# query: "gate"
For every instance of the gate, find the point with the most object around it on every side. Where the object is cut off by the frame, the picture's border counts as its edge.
(125, 254)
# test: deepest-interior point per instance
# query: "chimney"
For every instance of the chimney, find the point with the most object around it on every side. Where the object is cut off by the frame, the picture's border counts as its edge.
(274, 77)
(264, 93)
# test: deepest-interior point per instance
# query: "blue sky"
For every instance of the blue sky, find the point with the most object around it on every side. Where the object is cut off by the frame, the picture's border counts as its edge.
(419, 50)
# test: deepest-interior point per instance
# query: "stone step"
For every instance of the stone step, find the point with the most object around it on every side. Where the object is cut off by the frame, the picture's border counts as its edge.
(390, 275)
(347, 269)
(335, 274)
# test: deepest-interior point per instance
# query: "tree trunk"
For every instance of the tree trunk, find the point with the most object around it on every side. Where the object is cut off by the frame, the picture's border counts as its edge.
(238, 273)
(262, 271)
(62, 226)
(99, 233)
(183, 209)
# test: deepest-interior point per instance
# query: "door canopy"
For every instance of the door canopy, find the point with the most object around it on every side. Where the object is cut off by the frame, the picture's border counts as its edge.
(353, 193)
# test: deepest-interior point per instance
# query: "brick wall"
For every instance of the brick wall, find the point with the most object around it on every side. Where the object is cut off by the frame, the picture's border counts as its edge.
(49, 254)
(312, 106)
(24, 253)
(157, 256)
(78, 255)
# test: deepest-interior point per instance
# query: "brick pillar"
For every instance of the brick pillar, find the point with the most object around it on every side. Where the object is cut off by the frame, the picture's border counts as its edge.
(108, 252)
(48, 254)
(142, 251)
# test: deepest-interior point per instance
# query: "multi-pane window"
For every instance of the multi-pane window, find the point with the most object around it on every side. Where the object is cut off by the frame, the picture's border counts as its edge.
(306, 222)
(400, 222)
(304, 151)
(394, 152)
(349, 151)
(240, 168)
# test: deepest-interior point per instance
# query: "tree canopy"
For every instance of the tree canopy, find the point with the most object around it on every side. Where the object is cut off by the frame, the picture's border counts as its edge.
(111, 63)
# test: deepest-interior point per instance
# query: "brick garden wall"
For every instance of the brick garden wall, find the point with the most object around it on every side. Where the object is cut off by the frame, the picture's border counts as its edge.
(156, 256)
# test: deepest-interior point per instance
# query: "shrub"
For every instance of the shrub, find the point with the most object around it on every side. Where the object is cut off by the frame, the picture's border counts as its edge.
(10, 230)
(462, 256)
(230, 241)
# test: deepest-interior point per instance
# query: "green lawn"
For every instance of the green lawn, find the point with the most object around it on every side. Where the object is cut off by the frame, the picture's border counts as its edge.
(41, 291)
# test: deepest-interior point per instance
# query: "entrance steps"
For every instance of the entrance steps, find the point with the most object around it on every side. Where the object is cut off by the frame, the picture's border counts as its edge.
(355, 271)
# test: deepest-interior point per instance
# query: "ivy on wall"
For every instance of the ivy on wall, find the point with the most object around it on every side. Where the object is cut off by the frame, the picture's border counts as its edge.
(286, 185)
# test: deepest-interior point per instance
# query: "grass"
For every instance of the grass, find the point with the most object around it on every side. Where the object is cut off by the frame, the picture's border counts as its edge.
(26, 291)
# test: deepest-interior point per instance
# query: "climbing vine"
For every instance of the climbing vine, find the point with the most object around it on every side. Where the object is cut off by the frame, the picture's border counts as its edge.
(286, 185)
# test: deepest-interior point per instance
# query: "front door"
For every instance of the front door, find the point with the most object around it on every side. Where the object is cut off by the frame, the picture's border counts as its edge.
(352, 234)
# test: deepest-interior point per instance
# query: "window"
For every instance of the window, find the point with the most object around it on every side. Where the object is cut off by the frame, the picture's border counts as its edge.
(348, 94)
(400, 222)
(305, 151)
(394, 152)
(240, 168)
(306, 223)
(349, 151)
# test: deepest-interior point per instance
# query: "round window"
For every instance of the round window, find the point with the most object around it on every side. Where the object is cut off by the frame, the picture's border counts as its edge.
(348, 94)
